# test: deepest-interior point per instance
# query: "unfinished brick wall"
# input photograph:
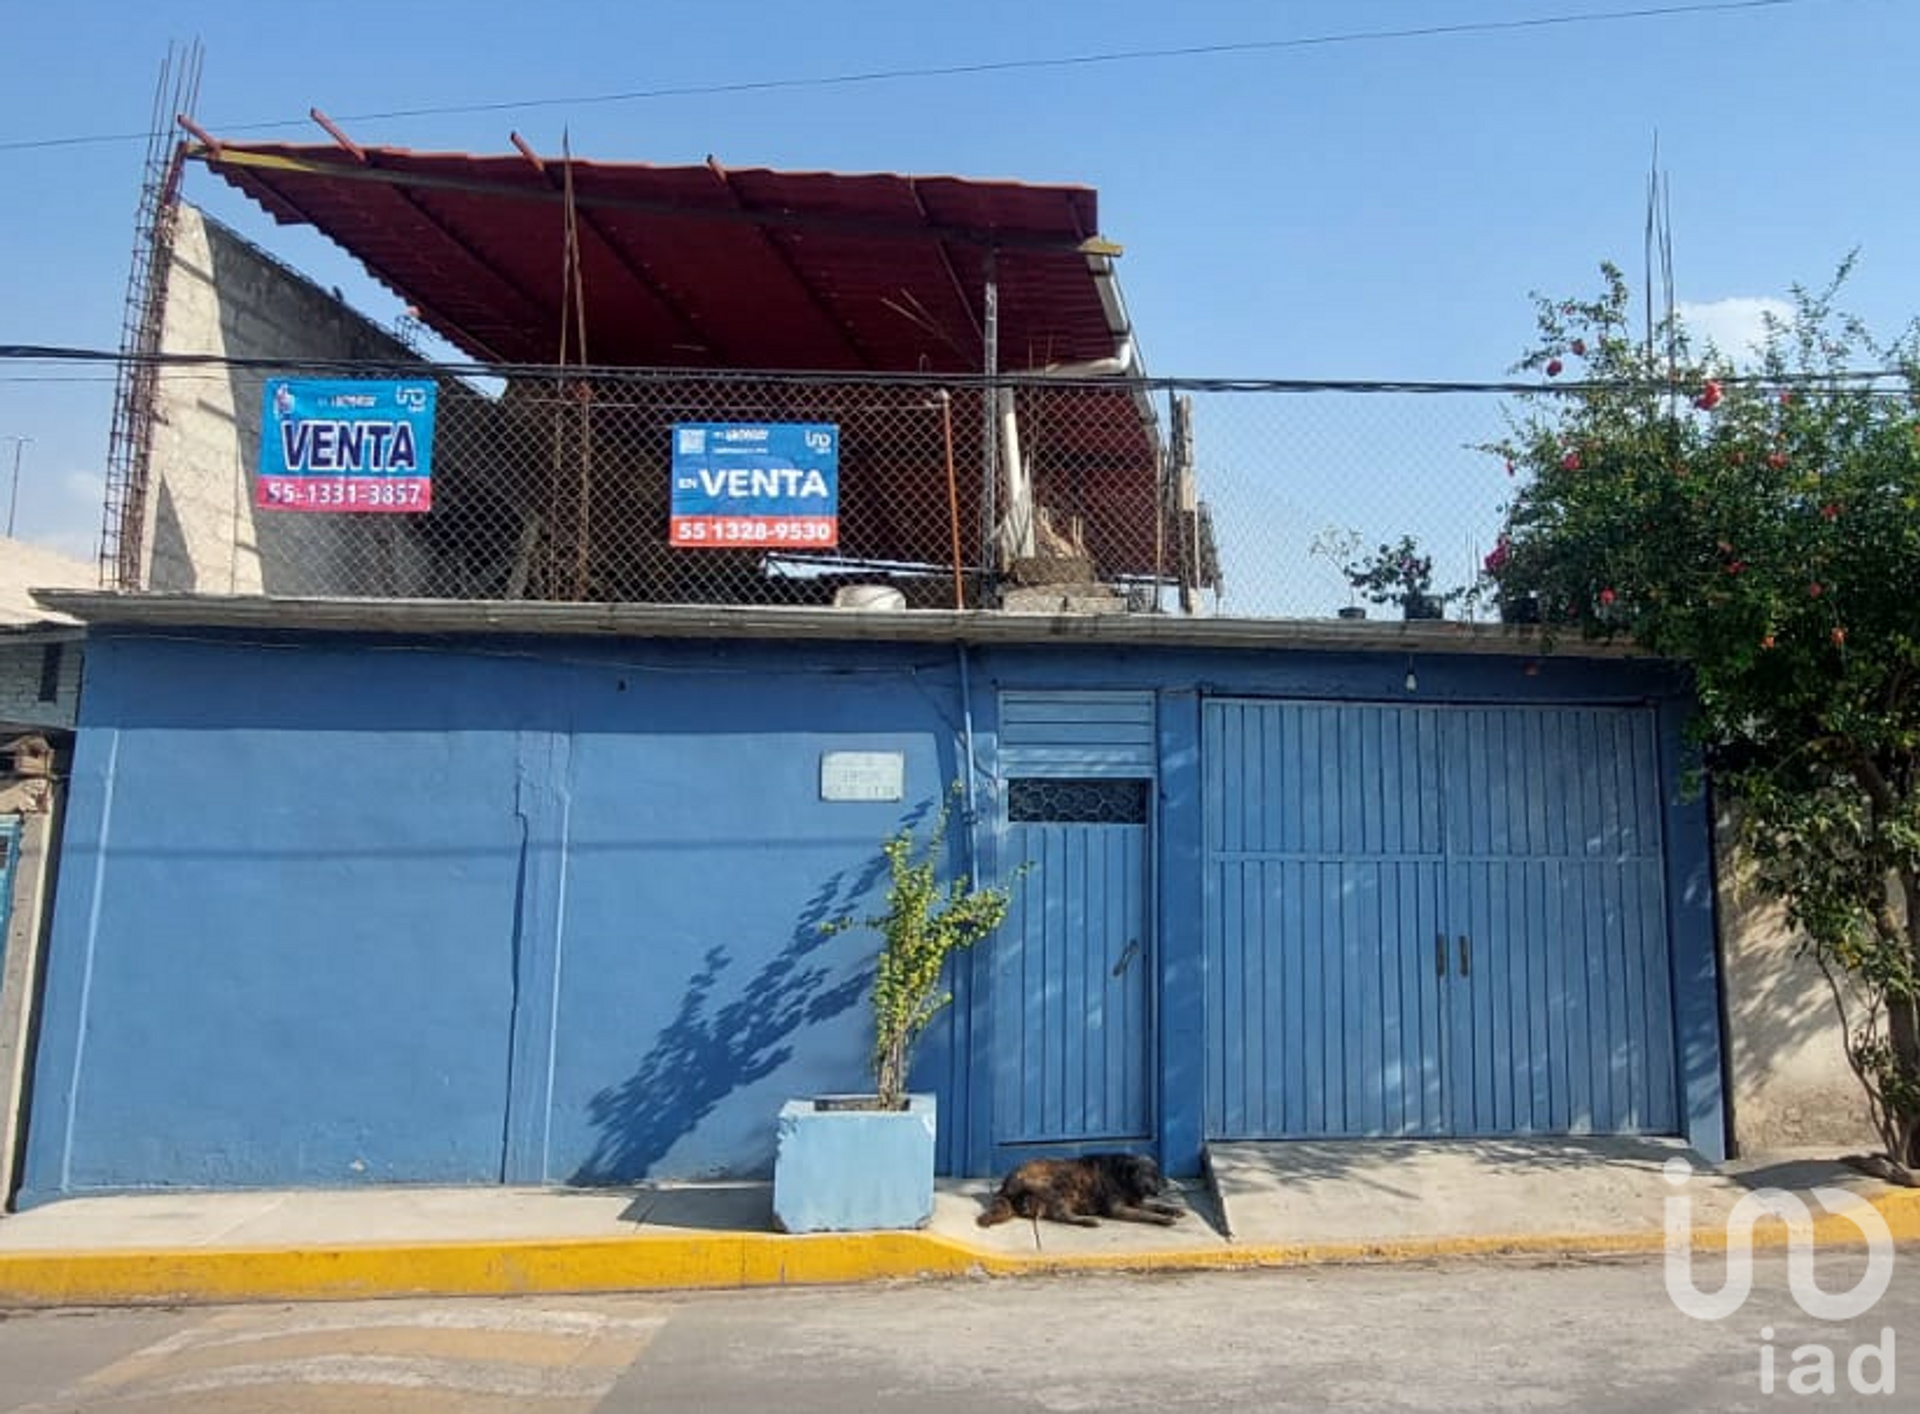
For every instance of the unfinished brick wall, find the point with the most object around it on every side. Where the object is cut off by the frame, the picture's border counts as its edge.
(200, 531)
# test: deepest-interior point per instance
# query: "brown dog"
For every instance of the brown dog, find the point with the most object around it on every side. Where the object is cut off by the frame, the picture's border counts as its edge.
(1082, 1191)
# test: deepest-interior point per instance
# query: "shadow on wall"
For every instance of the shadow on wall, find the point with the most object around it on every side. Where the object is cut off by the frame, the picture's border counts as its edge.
(170, 544)
(704, 1055)
(1791, 1084)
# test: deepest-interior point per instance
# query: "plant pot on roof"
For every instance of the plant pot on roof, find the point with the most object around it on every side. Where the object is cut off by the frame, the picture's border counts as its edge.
(1520, 609)
(1400, 574)
(851, 1163)
(1506, 584)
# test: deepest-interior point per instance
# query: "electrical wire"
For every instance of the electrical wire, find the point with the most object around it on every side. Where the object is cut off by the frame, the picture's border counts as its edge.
(174, 363)
(981, 67)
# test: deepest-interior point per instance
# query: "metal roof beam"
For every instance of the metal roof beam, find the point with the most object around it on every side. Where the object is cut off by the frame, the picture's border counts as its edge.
(946, 263)
(792, 266)
(530, 303)
(243, 159)
(429, 312)
(681, 315)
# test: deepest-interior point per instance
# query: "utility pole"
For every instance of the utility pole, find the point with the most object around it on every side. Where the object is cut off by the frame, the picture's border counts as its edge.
(13, 496)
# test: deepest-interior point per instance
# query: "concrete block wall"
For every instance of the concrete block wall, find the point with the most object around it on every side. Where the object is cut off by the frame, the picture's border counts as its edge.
(23, 673)
(201, 532)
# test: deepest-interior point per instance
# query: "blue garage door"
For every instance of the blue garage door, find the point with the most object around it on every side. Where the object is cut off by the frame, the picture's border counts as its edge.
(1428, 920)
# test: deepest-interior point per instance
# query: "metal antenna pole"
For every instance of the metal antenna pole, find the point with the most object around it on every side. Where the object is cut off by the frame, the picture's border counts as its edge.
(989, 422)
(13, 496)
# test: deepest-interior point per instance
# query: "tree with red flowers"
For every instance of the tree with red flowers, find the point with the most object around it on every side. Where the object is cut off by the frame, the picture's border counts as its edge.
(1764, 528)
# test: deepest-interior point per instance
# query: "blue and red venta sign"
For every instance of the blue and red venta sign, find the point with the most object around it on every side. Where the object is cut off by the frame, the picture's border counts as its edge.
(346, 445)
(755, 485)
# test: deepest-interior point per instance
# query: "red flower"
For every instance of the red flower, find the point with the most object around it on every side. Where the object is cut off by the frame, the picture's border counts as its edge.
(1553, 367)
(1570, 462)
(1830, 511)
(1786, 397)
(1607, 596)
(1815, 590)
(1776, 460)
(1578, 348)
(1709, 398)
(1735, 566)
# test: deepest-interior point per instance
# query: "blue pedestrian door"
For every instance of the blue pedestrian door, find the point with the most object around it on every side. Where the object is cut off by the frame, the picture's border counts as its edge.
(1434, 921)
(1073, 964)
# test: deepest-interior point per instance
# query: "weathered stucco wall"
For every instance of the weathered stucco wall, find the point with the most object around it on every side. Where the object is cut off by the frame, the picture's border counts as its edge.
(35, 802)
(200, 530)
(1790, 1083)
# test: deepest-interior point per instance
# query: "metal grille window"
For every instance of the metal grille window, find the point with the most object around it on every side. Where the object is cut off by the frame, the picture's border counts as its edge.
(1044, 801)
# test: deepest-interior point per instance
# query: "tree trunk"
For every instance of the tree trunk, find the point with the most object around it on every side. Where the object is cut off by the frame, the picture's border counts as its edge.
(891, 1075)
(1903, 1031)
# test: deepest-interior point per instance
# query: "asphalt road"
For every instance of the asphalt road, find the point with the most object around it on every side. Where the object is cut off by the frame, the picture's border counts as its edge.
(1599, 1336)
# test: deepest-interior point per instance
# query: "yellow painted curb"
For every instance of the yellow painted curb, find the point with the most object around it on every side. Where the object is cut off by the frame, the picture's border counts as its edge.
(731, 1260)
(503, 1268)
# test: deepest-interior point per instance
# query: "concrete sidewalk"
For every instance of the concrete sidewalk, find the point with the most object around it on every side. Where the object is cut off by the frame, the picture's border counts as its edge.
(1265, 1205)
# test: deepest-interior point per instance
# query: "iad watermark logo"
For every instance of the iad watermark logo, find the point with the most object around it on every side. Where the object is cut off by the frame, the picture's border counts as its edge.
(1814, 1366)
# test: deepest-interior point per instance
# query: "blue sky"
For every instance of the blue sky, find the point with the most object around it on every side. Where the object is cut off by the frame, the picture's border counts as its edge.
(1374, 209)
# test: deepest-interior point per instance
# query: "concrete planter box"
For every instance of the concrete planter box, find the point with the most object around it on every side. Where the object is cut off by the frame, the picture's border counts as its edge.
(843, 1170)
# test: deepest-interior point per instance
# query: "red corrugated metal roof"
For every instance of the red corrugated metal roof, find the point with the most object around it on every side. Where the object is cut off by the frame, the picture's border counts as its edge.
(700, 266)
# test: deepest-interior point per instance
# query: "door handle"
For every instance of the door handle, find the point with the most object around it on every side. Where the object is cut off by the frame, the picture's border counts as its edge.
(1126, 957)
(1466, 955)
(1439, 954)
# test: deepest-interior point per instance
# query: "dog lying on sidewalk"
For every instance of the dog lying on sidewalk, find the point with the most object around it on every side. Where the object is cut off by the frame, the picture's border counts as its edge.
(1082, 1191)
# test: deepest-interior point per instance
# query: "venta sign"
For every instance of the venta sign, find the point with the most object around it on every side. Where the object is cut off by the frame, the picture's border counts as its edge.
(346, 445)
(755, 485)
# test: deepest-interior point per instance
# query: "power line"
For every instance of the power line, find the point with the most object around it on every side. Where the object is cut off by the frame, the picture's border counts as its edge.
(176, 365)
(986, 66)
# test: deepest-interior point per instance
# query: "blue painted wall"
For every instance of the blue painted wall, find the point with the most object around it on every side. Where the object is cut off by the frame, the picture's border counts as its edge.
(339, 910)
(343, 912)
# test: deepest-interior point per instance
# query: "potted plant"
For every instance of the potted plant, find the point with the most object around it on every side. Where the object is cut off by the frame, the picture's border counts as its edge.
(1500, 582)
(1400, 574)
(860, 1162)
(1337, 545)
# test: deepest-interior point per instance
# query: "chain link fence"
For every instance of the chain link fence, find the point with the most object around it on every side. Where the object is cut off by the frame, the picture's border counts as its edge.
(1023, 494)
